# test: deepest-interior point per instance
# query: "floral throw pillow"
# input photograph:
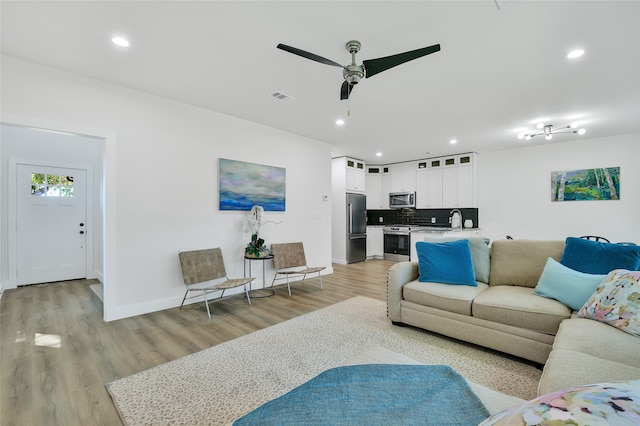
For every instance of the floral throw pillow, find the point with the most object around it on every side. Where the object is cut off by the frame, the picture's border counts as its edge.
(615, 403)
(616, 301)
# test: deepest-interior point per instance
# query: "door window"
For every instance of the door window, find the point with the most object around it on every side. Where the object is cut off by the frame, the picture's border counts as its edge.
(45, 185)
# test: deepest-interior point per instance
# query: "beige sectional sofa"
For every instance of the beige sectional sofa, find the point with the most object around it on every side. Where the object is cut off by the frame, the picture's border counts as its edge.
(504, 314)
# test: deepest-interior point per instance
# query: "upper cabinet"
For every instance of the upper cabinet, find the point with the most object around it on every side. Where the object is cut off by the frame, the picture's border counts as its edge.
(459, 181)
(355, 175)
(377, 183)
(442, 182)
(429, 184)
(403, 177)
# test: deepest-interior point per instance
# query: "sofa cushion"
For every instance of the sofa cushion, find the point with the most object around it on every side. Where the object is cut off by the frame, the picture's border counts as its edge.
(519, 307)
(616, 302)
(451, 298)
(566, 368)
(520, 262)
(573, 288)
(448, 262)
(596, 257)
(480, 254)
(613, 403)
(602, 338)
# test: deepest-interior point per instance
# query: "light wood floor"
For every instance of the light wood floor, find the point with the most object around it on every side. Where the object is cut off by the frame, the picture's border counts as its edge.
(57, 353)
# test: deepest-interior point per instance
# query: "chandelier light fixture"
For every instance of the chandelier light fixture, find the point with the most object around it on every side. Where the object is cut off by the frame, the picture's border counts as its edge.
(548, 131)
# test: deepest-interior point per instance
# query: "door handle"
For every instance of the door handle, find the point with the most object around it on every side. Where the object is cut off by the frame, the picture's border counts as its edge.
(81, 232)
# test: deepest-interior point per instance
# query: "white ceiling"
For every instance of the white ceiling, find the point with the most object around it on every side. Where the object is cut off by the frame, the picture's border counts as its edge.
(502, 66)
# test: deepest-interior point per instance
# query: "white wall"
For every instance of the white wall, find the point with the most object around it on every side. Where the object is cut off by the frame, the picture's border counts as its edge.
(160, 184)
(515, 196)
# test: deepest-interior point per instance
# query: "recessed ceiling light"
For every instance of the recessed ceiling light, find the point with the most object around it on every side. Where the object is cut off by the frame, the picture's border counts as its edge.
(575, 54)
(378, 154)
(340, 122)
(120, 41)
(453, 141)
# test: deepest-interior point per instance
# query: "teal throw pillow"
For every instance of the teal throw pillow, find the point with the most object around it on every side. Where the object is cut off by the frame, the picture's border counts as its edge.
(595, 257)
(480, 254)
(573, 288)
(448, 263)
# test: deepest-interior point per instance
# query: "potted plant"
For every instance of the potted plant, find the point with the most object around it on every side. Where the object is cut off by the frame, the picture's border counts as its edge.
(254, 222)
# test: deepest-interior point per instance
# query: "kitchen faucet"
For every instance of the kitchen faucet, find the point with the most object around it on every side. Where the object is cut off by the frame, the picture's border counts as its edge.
(457, 225)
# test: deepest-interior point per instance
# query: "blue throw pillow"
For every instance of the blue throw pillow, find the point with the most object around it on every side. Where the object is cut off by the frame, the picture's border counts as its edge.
(595, 257)
(448, 263)
(570, 287)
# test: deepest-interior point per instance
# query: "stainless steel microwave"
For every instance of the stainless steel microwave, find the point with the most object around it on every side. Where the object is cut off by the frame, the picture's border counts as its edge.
(402, 200)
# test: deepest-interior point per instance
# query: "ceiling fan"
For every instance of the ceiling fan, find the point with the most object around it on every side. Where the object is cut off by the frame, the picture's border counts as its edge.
(353, 73)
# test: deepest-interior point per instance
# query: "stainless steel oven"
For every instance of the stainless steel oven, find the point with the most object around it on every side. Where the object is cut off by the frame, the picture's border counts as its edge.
(397, 242)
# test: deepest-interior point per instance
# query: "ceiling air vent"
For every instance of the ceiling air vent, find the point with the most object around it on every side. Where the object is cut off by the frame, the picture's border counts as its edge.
(282, 96)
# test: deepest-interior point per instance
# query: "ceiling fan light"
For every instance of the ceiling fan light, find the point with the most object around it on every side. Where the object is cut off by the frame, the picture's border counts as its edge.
(527, 137)
(520, 135)
(574, 124)
(548, 137)
(540, 125)
(453, 141)
(340, 122)
(582, 131)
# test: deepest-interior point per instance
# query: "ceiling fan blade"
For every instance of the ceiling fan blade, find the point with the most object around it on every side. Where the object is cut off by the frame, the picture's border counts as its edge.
(345, 90)
(375, 66)
(308, 55)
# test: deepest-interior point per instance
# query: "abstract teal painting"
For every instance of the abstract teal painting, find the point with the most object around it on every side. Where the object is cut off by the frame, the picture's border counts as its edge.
(586, 184)
(241, 185)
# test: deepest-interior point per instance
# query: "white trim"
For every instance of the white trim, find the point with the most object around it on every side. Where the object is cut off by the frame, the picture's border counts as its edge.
(174, 301)
(12, 206)
(109, 237)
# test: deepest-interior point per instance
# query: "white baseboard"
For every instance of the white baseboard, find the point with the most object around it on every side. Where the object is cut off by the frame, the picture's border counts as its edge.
(173, 302)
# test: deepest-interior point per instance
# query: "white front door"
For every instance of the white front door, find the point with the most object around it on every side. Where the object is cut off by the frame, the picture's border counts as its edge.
(51, 226)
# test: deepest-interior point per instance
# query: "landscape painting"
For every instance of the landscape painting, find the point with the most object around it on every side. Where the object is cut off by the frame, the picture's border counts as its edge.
(241, 185)
(586, 184)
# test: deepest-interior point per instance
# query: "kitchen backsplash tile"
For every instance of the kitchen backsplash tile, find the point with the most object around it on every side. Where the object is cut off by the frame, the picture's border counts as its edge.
(419, 217)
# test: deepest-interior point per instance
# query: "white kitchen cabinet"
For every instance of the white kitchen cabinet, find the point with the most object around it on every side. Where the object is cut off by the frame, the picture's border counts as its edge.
(355, 180)
(385, 188)
(374, 192)
(465, 186)
(375, 242)
(377, 183)
(459, 181)
(429, 185)
(403, 177)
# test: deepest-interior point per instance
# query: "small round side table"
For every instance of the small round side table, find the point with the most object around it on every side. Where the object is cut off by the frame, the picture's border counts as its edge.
(259, 292)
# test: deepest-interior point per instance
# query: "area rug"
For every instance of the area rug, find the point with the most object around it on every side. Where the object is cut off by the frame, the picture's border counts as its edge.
(217, 385)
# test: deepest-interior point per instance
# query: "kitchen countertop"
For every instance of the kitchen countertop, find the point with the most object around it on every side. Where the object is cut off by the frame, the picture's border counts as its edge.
(433, 229)
(429, 228)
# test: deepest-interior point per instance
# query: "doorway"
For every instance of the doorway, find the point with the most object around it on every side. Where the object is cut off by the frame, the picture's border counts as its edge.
(51, 224)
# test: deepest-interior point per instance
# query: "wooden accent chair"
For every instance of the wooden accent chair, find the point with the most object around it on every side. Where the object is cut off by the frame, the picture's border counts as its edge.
(207, 266)
(289, 259)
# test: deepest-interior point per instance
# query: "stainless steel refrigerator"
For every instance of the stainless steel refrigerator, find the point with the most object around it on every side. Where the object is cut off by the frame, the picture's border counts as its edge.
(356, 228)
